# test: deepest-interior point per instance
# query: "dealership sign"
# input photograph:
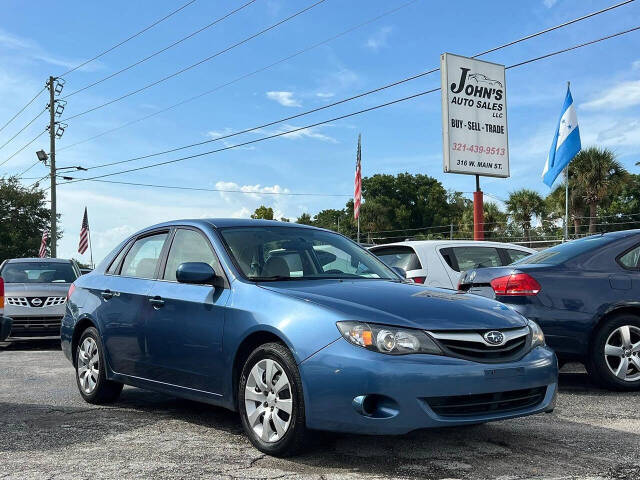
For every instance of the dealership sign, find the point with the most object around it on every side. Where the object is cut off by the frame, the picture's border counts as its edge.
(474, 117)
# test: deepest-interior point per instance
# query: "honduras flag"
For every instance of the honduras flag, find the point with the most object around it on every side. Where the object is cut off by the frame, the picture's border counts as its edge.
(566, 142)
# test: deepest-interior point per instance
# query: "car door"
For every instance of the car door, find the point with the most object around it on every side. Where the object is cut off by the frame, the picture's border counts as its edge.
(184, 334)
(124, 301)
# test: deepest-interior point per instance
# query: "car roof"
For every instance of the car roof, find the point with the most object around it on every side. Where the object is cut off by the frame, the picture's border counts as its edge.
(451, 243)
(38, 260)
(227, 222)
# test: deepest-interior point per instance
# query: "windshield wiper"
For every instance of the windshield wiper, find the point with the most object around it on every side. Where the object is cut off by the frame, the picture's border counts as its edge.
(273, 278)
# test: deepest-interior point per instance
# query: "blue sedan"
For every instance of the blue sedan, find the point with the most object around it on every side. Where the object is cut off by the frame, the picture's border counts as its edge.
(585, 294)
(298, 329)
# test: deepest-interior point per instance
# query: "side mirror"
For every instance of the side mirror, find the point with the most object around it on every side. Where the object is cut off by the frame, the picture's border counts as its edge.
(400, 271)
(198, 273)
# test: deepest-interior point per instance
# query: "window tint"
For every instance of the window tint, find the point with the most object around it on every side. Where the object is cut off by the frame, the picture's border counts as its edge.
(631, 258)
(566, 251)
(516, 255)
(38, 272)
(142, 259)
(113, 268)
(476, 257)
(188, 246)
(403, 257)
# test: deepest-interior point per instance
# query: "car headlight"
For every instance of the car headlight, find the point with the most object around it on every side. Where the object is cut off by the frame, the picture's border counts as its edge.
(387, 339)
(537, 337)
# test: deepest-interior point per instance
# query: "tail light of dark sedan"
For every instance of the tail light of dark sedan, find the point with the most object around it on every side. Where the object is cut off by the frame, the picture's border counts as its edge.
(1, 293)
(72, 288)
(516, 284)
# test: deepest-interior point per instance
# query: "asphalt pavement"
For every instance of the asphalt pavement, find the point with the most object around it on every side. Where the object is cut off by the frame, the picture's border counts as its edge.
(48, 432)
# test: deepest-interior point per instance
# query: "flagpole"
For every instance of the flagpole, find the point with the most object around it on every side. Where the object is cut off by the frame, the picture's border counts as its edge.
(566, 195)
(90, 249)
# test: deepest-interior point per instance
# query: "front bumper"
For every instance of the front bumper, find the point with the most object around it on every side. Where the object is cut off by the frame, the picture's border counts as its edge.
(34, 326)
(405, 385)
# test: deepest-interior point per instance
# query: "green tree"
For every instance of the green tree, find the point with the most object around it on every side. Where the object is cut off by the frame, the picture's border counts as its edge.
(304, 219)
(555, 201)
(600, 177)
(262, 212)
(24, 214)
(522, 206)
(623, 207)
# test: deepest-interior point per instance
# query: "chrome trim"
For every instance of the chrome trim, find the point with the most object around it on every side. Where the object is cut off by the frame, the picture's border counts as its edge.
(478, 338)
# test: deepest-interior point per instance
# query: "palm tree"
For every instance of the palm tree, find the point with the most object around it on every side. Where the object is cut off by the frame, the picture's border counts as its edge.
(522, 205)
(555, 201)
(599, 176)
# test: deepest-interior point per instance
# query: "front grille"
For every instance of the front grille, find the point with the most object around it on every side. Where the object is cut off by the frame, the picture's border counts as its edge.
(487, 403)
(35, 326)
(472, 345)
(35, 302)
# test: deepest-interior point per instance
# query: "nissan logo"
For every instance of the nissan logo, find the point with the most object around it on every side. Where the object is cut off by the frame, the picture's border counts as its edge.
(494, 338)
(36, 302)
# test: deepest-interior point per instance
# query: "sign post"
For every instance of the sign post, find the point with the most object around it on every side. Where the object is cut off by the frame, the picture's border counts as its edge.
(474, 123)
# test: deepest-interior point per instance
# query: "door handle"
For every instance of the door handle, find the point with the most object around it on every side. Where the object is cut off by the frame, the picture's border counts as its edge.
(156, 301)
(107, 294)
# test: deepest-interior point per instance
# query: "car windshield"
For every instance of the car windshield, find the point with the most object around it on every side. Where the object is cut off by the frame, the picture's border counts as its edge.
(565, 251)
(38, 272)
(290, 253)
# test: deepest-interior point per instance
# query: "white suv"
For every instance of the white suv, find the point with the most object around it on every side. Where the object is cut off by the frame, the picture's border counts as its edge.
(438, 263)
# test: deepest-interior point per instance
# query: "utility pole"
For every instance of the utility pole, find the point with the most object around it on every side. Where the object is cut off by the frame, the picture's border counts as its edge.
(52, 160)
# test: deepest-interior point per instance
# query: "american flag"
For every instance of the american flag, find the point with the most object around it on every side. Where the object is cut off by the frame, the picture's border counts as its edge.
(43, 244)
(357, 194)
(84, 234)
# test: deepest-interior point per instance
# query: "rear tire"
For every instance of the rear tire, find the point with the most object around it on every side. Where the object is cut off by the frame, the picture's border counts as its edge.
(271, 402)
(614, 357)
(90, 370)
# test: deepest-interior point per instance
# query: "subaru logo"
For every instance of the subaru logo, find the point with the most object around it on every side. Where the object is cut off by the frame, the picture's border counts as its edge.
(36, 302)
(494, 338)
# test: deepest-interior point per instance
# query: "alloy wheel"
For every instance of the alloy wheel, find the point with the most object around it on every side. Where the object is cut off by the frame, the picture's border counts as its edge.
(88, 365)
(268, 400)
(622, 353)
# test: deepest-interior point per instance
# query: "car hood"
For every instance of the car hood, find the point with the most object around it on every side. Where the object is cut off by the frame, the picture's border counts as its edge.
(402, 304)
(36, 289)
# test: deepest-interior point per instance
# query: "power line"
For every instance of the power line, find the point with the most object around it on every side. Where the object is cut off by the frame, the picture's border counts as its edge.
(341, 117)
(204, 60)
(23, 147)
(354, 97)
(261, 139)
(246, 75)
(23, 108)
(148, 57)
(127, 39)
(225, 190)
(22, 130)
(19, 176)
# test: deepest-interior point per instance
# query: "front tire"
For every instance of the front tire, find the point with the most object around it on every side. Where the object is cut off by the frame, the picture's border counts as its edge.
(614, 360)
(271, 402)
(90, 370)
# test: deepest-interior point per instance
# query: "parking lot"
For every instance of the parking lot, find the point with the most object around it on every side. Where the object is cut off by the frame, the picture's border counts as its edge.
(47, 431)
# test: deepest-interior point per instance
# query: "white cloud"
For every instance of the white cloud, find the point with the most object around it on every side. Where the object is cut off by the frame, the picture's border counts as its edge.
(635, 65)
(325, 94)
(379, 39)
(549, 3)
(285, 99)
(618, 97)
(306, 133)
(214, 134)
(31, 50)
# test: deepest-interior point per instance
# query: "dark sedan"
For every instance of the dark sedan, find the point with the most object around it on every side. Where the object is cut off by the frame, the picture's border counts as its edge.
(585, 295)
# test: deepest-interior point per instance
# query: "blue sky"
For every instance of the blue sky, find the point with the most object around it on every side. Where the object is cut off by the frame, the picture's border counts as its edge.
(605, 81)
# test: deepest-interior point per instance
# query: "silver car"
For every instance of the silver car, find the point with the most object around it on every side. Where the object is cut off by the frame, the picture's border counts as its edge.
(35, 295)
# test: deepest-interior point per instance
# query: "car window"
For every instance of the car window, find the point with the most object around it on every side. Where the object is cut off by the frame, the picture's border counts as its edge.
(277, 253)
(399, 256)
(38, 272)
(113, 268)
(476, 257)
(631, 259)
(567, 251)
(516, 255)
(142, 259)
(188, 246)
